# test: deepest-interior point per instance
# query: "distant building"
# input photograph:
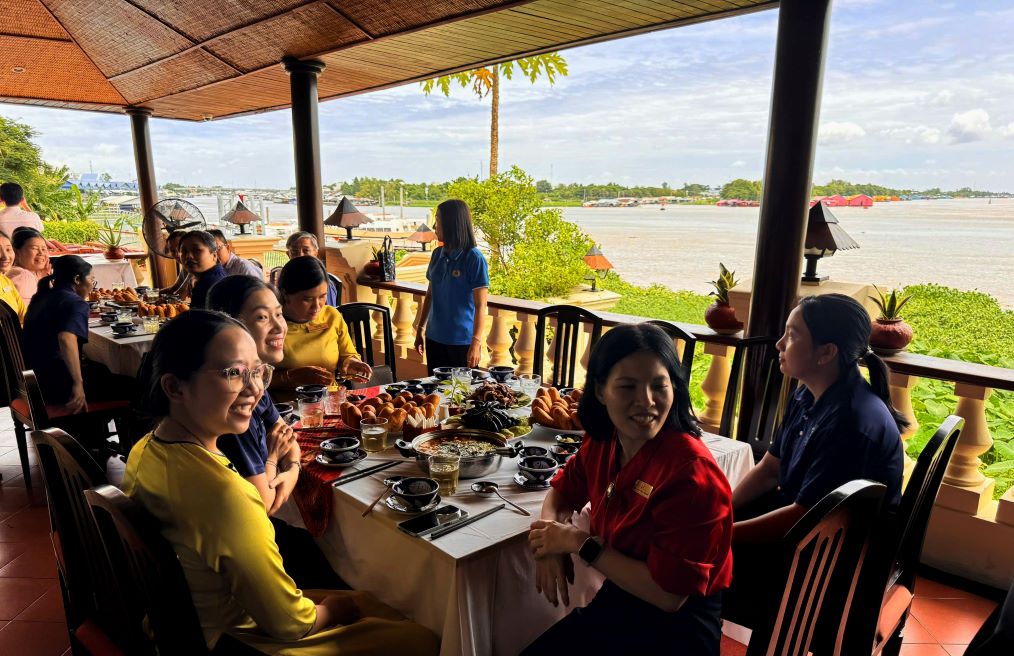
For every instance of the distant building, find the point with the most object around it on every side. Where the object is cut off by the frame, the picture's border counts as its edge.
(860, 200)
(91, 182)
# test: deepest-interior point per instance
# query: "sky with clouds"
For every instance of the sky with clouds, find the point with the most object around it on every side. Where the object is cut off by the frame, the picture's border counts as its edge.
(917, 94)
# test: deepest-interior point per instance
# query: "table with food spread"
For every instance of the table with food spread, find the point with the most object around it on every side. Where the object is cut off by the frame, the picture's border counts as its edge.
(474, 586)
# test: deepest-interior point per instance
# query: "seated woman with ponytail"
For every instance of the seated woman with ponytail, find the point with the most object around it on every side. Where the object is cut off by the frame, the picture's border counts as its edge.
(56, 325)
(837, 428)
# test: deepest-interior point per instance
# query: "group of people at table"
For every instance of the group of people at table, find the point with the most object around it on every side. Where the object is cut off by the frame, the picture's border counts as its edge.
(677, 547)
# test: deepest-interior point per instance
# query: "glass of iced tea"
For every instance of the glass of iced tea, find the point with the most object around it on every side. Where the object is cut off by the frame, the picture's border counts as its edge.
(374, 434)
(444, 469)
(311, 413)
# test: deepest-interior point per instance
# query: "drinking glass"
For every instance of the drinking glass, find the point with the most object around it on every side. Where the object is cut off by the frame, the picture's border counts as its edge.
(334, 399)
(462, 375)
(311, 413)
(530, 383)
(117, 286)
(374, 432)
(124, 315)
(151, 296)
(444, 469)
(150, 325)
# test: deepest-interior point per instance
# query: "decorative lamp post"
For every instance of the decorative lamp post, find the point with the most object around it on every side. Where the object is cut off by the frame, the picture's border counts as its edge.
(824, 236)
(240, 216)
(347, 216)
(423, 235)
(599, 265)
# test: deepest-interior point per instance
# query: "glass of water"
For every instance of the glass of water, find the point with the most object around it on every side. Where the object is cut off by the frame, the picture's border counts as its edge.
(311, 413)
(150, 325)
(444, 469)
(462, 375)
(530, 384)
(374, 433)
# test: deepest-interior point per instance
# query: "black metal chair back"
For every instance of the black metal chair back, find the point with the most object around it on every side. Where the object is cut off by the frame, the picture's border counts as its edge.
(756, 396)
(13, 366)
(897, 545)
(826, 551)
(996, 637)
(273, 275)
(679, 335)
(338, 287)
(357, 318)
(570, 320)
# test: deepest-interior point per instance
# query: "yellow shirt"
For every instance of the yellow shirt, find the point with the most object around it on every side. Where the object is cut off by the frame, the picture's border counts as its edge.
(9, 295)
(321, 342)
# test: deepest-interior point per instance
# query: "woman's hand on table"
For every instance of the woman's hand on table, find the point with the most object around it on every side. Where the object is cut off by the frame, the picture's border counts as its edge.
(77, 402)
(553, 576)
(308, 376)
(283, 484)
(280, 438)
(355, 368)
(551, 538)
(474, 353)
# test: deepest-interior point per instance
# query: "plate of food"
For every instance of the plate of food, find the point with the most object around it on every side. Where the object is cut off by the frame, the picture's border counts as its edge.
(404, 411)
(557, 411)
(504, 395)
(510, 427)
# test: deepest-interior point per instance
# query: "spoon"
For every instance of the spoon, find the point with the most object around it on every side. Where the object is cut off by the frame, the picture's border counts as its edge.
(389, 485)
(489, 488)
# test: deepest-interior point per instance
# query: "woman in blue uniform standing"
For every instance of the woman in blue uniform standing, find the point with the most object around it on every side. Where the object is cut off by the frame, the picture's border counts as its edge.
(453, 313)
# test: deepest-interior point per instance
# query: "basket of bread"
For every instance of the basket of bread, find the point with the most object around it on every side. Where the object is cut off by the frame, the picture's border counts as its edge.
(407, 414)
(126, 296)
(161, 310)
(555, 410)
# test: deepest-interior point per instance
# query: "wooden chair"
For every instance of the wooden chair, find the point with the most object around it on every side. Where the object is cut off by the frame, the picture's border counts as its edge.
(150, 580)
(570, 320)
(357, 317)
(996, 637)
(90, 601)
(756, 396)
(883, 601)
(679, 335)
(31, 410)
(826, 549)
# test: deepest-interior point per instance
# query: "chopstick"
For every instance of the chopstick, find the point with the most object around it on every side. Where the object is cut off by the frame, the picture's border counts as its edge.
(450, 528)
(363, 473)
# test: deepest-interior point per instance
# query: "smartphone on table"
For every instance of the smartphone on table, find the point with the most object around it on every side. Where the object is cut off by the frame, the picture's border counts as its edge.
(431, 521)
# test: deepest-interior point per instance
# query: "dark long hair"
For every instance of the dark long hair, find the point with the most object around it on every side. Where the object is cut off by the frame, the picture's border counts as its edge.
(202, 236)
(65, 270)
(456, 225)
(301, 273)
(180, 348)
(622, 342)
(230, 294)
(840, 320)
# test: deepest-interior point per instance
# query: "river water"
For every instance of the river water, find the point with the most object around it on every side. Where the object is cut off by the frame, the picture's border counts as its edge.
(966, 244)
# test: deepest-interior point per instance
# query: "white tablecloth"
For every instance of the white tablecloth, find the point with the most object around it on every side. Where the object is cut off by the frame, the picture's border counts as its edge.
(107, 273)
(475, 587)
(121, 356)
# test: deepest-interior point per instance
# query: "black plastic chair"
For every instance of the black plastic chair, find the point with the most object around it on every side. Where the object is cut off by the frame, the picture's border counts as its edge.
(996, 637)
(273, 275)
(756, 396)
(338, 287)
(569, 323)
(151, 581)
(679, 335)
(826, 549)
(90, 600)
(883, 601)
(357, 317)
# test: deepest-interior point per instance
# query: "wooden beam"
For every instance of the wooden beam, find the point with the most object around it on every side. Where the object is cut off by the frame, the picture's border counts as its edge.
(163, 271)
(306, 146)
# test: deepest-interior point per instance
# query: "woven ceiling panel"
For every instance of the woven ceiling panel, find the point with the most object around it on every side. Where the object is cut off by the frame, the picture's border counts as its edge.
(187, 71)
(204, 19)
(116, 35)
(305, 31)
(264, 89)
(54, 70)
(380, 17)
(29, 18)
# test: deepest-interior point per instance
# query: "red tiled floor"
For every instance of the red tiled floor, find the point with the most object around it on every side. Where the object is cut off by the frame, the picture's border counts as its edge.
(916, 633)
(28, 524)
(923, 650)
(47, 608)
(952, 621)
(11, 550)
(18, 594)
(34, 639)
(955, 650)
(38, 562)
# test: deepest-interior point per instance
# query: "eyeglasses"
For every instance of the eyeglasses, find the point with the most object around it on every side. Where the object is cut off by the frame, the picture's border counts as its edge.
(245, 376)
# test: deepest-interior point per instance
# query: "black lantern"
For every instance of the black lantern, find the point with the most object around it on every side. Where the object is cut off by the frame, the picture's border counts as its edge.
(599, 265)
(347, 216)
(824, 236)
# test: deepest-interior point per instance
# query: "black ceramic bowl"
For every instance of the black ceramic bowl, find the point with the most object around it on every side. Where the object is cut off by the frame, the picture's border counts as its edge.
(501, 374)
(429, 388)
(311, 393)
(412, 381)
(443, 373)
(123, 327)
(284, 409)
(568, 439)
(108, 317)
(564, 452)
(415, 492)
(538, 468)
(479, 374)
(337, 445)
(527, 451)
(394, 388)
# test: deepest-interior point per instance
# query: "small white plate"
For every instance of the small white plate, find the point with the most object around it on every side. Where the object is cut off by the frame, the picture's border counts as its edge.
(321, 460)
(524, 483)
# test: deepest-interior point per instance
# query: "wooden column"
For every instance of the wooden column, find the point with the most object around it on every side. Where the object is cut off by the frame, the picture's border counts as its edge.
(163, 270)
(306, 145)
(792, 139)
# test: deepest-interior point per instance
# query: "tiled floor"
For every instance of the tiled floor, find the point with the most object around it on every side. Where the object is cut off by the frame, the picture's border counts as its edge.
(943, 621)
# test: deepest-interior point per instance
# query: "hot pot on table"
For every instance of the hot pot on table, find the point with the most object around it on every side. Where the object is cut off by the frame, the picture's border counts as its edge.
(472, 466)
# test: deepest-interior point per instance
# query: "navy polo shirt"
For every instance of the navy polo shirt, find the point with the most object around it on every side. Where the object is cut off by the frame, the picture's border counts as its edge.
(453, 276)
(846, 435)
(199, 296)
(248, 451)
(49, 314)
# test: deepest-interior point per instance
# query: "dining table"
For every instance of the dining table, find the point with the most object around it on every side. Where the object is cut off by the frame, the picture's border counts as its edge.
(475, 587)
(121, 355)
(110, 273)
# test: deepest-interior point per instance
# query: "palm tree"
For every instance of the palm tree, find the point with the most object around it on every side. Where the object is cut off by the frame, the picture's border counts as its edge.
(485, 81)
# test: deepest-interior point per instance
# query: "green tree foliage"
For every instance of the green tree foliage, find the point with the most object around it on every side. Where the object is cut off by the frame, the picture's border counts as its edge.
(21, 162)
(742, 189)
(534, 252)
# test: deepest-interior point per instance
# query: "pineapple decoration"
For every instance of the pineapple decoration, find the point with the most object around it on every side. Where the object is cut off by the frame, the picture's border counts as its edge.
(720, 316)
(889, 332)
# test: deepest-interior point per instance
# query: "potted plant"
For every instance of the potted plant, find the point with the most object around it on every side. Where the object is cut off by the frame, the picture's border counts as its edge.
(720, 316)
(111, 236)
(372, 268)
(890, 334)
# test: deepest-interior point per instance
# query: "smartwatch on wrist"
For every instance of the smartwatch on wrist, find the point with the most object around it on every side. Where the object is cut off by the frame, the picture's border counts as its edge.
(590, 550)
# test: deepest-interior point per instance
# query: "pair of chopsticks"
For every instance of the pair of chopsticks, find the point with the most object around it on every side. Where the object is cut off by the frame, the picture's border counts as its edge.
(363, 473)
(454, 526)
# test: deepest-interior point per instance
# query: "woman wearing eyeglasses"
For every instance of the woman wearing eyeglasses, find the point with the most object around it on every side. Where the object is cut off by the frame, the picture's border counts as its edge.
(206, 379)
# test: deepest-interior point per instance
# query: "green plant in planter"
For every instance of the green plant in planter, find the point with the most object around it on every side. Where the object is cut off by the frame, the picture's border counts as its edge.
(889, 334)
(726, 281)
(456, 391)
(721, 316)
(890, 305)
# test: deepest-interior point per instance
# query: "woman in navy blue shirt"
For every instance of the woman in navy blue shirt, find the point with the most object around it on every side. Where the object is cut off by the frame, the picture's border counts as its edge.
(837, 428)
(199, 253)
(454, 310)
